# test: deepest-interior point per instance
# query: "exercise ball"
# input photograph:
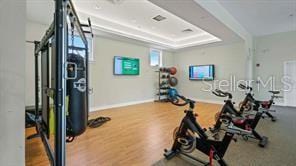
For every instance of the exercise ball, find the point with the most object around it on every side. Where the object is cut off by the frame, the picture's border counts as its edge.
(173, 81)
(173, 71)
(172, 92)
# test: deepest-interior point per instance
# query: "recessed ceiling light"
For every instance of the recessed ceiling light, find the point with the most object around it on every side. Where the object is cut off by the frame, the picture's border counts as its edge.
(116, 1)
(98, 7)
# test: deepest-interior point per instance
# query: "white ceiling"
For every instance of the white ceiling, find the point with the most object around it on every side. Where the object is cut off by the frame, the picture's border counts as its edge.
(192, 12)
(263, 17)
(41, 11)
(133, 19)
(138, 14)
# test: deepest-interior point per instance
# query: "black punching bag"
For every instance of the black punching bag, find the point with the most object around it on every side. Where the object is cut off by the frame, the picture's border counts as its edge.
(76, 88)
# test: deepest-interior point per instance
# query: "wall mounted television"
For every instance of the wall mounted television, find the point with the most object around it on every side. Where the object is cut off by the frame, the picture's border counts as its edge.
(202, 72)
(126, 66)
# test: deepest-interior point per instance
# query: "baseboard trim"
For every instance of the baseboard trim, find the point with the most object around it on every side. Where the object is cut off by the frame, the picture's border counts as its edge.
(221, 102)
(99, 108)
(280, 104)
(207, 101)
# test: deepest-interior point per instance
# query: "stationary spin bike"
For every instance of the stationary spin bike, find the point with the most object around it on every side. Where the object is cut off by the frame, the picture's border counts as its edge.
(190, 136)
(250, 103)
(233, 119)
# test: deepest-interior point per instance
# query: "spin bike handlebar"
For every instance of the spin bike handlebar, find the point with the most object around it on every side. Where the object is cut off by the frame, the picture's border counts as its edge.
(221, 93)
(185, 101)
(245, 87)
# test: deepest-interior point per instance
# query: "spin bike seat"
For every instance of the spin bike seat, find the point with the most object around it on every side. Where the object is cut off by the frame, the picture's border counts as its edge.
(261, 102)
(238, 121)
(274, 92)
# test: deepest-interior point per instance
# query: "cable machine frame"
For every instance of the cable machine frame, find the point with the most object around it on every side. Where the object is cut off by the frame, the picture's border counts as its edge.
(64, 13)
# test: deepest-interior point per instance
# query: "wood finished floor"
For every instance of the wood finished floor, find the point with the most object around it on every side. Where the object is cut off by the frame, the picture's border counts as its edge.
(136, 135)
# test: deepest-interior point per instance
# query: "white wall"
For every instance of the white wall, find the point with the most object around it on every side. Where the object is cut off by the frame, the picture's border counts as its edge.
(108, 89)
(229, 60)
(271, 53)
(113, 90)
(12, 79)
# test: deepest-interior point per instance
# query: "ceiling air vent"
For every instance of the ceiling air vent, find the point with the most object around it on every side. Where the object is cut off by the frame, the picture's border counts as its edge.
(159, 18)
(187, 30)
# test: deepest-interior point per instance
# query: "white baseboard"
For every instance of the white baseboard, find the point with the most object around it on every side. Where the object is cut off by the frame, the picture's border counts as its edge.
(207, 101)
(280, 104)
(98, 108)
(221, 102)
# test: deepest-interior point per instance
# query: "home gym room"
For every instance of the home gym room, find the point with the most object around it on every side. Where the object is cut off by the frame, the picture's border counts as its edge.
(148, 82)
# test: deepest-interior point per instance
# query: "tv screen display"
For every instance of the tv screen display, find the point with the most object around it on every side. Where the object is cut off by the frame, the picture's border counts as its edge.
(202, 72)
(126, 66)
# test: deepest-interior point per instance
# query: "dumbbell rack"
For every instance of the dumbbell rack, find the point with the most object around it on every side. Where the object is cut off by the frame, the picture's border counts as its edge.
(163, 86)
